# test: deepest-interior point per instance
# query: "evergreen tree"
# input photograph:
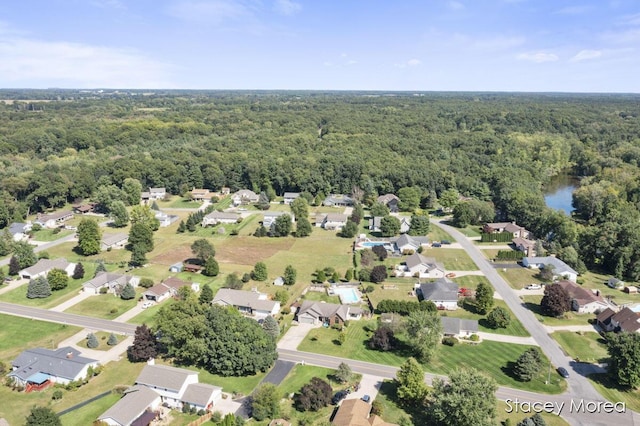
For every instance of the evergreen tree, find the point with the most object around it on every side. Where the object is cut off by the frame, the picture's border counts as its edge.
(182, 228)
(259, 272)
(38, 288)
(411, 386)
(128, 292)
(100, 268)
(290, 275)
(138, 256)
(349, 230)
(528, 365)
(14, 266)
(113, 340)
(498, 318)
(484, 297)
(206, 294)
(92, 341)
(211, 267)
(141, 236)
(78, 271)
(261, 231)
(271, 326)
(303, 227)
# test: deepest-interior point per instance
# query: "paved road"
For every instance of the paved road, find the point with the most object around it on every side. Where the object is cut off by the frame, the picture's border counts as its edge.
(43, 247)
(65, 318)
(579, 386)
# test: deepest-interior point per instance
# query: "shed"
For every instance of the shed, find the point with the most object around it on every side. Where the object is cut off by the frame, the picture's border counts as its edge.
(278, 281)
(176, 267)
(631, 289)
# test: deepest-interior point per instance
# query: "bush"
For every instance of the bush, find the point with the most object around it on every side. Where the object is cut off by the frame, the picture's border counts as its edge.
(146, 283)
(450, 341)
(286, 310)
(103, 290)
(474, 338)
(92, 341)
(57, 394)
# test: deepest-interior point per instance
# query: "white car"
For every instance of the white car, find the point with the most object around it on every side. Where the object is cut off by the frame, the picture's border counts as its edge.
(147, 304)
(533, 287)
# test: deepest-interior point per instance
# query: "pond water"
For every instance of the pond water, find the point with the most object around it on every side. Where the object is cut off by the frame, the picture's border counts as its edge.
(557, 194)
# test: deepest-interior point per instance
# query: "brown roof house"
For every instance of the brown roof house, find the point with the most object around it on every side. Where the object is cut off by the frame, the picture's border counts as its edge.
(326, 313)
(528, 247)
(499, 227)
(249, 303)
(168, 288)
(583, 300)
(390, 200)
(624, 320)
(355, 412)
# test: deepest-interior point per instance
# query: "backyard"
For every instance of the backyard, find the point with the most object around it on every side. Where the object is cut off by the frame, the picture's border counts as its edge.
(569, 318)
(453, 259)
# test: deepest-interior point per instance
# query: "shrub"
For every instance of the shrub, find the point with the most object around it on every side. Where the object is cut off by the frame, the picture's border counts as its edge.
(92, 341)
(146, 283)
(57, 394)
(286, 310)
(474, 338)
(450, 341)
(103, 290)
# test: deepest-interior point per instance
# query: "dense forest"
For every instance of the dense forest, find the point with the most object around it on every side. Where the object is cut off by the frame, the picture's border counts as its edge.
(62, 146)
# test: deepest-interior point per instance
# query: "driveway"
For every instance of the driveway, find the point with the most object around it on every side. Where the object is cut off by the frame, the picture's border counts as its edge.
(295, 336)
(82, 295)
(278, 372)
(369, 385)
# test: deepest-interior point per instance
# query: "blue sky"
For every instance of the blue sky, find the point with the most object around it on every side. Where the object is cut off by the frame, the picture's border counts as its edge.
(415, 45)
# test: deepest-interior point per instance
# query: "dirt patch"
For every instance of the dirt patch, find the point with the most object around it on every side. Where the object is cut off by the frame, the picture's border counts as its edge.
(175, 255)
(249, 250)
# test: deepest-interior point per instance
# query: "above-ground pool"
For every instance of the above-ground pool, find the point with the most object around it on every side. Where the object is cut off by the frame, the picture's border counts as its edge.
(347, 295)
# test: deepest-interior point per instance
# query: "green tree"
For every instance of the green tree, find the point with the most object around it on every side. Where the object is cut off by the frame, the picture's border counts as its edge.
(300, 208)
(412, 388)
(6, 242)
(144, 215)
(92, 341)
(348, 275)
(138, 256)
(321, 276)
(313, 396)
(58, 279)
(344, 373)
(624, 364)
(141, 236)
(484, 297)
(378, 274)
(89, 237)
(42, 416)
(119, 214)
(182, 227)
(379, 210)
(425, 329)
(14, 266)
(23, 253)
(409, 198)
(38, 288)
(78, 271)
(498, 318)
(290, 275)
(259, 272)
(132, 189)
(419, 225)
(282, 226)
(555, 301)
(528, 365)
(265, 402)
(389, 226)
(113, 340)
(206, 294)
(183, 329)
(349, 230)
(232, 281)
(203, 250)
(467, 399)
(271, 327)
(128, 292)
(462, 215)
(303, 227)
(449, 199)
(211, 267)
(261, 231)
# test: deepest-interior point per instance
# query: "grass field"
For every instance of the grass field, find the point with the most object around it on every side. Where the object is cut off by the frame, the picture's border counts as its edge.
(50, 234)
(587, 347)
(302, 374)
(596, 281)
(318, 296)
(401, 292)
(453, 259)
(102, 337)
(147, 316)
(90, 412)
(107, 306)
(515, 418)
(183, 203)
(614, 393)
(515, 327)
(570, 318)
(437, 234)
(19, 296)
(518, 278)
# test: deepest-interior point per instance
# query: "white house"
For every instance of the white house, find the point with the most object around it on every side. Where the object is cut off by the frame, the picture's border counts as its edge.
(270, 218)
(214, 218)
(111, 281)
(457, 327)
(53, 220)
(43, 267)
(290, 196)
(157, 193)
(416, 265)
(334, 221)
(168, 288)
(138, 404)
(114, 241)
(443, 292)
(165, 219)
(560, 269)
(243, 197)
(249, 303)
(20, 231)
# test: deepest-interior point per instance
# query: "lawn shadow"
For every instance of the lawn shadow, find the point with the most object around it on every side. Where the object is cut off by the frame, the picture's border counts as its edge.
(389, 389)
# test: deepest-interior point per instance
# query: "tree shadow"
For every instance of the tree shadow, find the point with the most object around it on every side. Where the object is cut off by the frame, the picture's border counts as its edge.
(419, 416)
(509, 369)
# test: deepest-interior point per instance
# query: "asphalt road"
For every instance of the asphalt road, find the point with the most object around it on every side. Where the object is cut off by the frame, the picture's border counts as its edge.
(42, 247)
(65, 318)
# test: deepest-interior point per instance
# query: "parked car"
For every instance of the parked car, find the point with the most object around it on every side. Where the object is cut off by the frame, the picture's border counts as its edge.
(339, 396)
(533, 287)
(436, 245)
(147, 304)
(366, 398)
(450, 275)
(563, 372)
(445, 242)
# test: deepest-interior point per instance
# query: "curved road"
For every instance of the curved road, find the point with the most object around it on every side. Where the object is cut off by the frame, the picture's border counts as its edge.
(579, 385)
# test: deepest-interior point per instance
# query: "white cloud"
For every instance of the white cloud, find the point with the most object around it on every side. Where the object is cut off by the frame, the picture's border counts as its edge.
(209, 11)
(538, 57)
(40, 63)
(574, 10)
(622, 37)
(455, 5)
(410, 63)
(585, 55)
(287, 7)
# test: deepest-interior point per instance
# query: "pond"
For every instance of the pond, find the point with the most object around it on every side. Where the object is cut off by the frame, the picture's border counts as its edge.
(558, 193)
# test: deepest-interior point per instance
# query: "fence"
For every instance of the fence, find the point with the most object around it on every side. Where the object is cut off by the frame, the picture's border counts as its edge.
(200, 420)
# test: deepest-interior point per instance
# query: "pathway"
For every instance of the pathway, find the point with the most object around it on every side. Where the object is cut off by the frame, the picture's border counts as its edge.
(518, 340)
(82, 295)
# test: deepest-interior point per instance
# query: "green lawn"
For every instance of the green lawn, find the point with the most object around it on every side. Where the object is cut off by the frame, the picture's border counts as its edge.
(19, 296)
(453, 259)
(18, 334)
(594, 280)
(183, 203)
(587, 347)
(302, 374)
(470, 281)
(515, 327)
(103, 338)
(51, 234)
(403, 291)
(614, 393)
(147, 316)
(437, 234)
(518, 278)
(89, 413)
(318, 296)
(393, 411)
(515, 418)
(107, 306)
(570, 318)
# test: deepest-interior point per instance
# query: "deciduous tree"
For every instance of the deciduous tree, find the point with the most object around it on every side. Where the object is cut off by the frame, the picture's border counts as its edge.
(378, 274)
(349, 230)
(484, 297)
(419, 225)
(624, 364)
(265, 402)
(58, 279)
(344, 373)
(290, 275)
(313, 396)
(425, 329)
(119, 214)
(555, 301)
(203, 250)
(383, 339)
(144, 215)
(144, 345)
(412, 388)
(300, 208)
(498, 318)
(23, 252)
(206, 294)
(89, 237)
(282, 226)
(389, 226)
(42, 416)
(259, 272)
(303, 227)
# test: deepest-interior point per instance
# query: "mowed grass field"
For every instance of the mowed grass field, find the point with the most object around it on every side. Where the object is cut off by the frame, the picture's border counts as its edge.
(107, 306)
(611, 391)
(569, 318)
(453, 259)
(587, 347)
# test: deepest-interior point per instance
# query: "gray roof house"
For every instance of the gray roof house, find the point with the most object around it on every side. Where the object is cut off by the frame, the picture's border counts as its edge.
(326, 313)
(244, 196)
(334, 221)
(269, 218)
(290, 196)
(456, 327)
(37, 366)
(406, 242)
(416, 265)
(389, 200)
(109, 280)
(338, 200)
(19, 230)
(560, 269)
(43, 267)
(215, 218)
(114, 241)
(249, 303)
(201, 395)
(442, 292)
(53, 220)
(135, 403)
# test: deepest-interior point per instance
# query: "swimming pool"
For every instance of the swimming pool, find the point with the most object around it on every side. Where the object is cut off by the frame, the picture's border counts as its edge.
(347, 295)
(372, 243)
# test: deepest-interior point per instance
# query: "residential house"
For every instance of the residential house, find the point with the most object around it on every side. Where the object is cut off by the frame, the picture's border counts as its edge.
(338, 200)
(405, 224)
(512, 227)
(157, 194)
(36, 368)
(137, 405)
(416, 265)
(326, 313)
(200, 194)
(356, 412)
(42, 268)
(613, 282)
(528, 247)
(391, 201)
(290, 196)
(443, 293)
(53, 220)
(334, 221)
(114, 241)
(374, 223)
(84, 208)
(165, 219)
(270, 218)
(20, 231)
(457, 327)
(249, 303)
(582, 300)
(225, 190)
(244, 197)
(174, 384)
(111, 281)
(623, 320)
(406, 243)
(168, 288)
(215, 218)
(560, 269)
